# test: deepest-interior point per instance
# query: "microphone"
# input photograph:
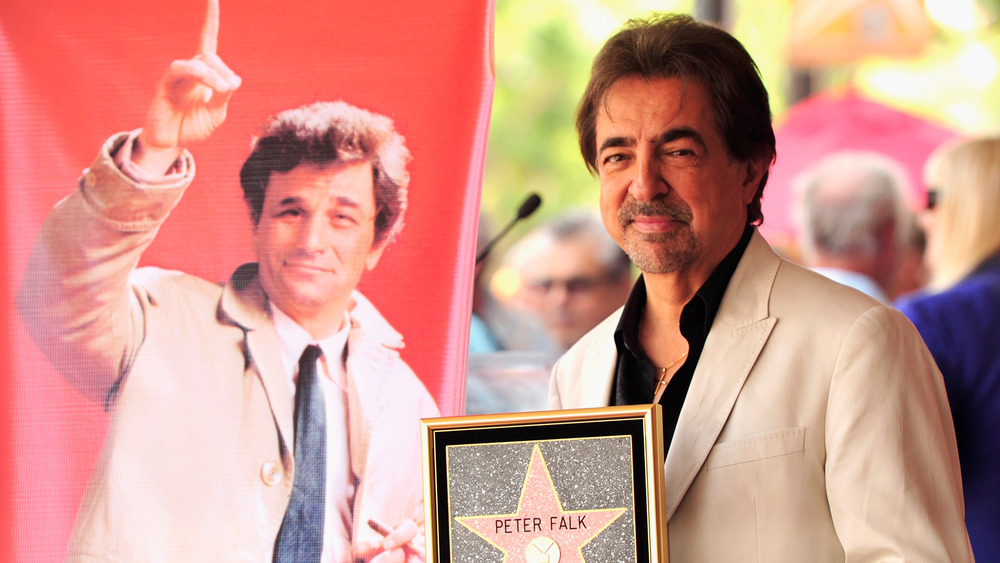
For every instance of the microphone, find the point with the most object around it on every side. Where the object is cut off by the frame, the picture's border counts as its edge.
(529, 206)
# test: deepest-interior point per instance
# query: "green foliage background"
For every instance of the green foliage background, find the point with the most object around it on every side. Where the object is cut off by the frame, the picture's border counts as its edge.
(543, 49)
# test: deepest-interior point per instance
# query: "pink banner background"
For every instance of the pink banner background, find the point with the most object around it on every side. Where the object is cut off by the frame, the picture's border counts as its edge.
(73, 73)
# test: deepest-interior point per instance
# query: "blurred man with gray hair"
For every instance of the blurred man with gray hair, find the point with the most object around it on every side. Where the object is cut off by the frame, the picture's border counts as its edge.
(574, 275)
(853, 220)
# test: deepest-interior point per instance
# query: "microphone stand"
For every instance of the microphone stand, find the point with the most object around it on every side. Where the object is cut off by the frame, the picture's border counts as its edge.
(529, 206)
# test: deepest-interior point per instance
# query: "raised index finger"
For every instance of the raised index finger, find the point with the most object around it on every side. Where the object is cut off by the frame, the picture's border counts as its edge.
(209, 42)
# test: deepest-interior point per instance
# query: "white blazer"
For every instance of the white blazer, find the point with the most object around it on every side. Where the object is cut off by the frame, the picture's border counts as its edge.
(816, 427)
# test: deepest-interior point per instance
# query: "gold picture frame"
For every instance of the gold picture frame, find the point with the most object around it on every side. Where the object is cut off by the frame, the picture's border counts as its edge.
(580, 485)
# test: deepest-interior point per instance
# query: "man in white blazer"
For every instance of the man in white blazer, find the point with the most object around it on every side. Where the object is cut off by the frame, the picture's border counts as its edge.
(803, 421)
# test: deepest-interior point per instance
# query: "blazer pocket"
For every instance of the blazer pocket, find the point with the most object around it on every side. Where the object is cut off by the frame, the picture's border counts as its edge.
(757, 447)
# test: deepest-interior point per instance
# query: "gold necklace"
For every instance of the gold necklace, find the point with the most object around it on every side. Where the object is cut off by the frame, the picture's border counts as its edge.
(661, 384)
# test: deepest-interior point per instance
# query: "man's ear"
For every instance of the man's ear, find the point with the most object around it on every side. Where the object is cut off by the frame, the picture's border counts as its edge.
(254, 218)
(375, 253)
(254, 238)
(754, 170)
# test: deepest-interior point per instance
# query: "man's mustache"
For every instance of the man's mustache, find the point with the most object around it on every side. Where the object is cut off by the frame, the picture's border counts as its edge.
(675, 211)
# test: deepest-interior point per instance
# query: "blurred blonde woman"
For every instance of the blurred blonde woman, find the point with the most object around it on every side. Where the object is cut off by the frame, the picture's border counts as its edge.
(958, 316)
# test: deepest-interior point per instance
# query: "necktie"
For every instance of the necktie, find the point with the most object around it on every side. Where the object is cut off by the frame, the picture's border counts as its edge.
(300, 539)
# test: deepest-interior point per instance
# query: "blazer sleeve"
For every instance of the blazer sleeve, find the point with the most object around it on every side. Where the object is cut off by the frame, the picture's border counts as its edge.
(555, 380)
(892, 470)
(75, 297)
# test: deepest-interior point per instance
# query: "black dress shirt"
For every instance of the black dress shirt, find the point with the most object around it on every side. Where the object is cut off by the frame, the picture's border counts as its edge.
(635, 376)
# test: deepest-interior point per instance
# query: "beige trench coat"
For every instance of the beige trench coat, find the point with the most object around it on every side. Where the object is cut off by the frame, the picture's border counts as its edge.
(197, 462)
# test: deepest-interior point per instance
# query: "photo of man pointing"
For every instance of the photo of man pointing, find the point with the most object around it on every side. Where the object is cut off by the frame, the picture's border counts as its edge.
(269, 418)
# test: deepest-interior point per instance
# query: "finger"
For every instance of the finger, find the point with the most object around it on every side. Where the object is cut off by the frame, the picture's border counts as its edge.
(394, 556)
(411, 550)
(400, 535)
(209, 42)
(223, 70)
(198, 71)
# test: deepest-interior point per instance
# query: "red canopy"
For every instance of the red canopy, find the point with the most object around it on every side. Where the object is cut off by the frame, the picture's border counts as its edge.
(830, 122)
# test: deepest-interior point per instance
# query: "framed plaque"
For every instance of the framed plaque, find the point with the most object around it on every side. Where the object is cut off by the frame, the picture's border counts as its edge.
(555, 486)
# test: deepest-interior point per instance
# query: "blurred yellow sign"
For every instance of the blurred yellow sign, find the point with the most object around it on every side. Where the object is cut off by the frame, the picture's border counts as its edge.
(826, 32)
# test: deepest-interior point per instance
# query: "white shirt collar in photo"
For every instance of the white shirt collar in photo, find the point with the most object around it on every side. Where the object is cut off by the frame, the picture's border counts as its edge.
(293, 340)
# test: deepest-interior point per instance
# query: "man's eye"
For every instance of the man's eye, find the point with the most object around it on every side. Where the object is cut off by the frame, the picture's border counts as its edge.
(289, 213)
(612, 158)
(344, 219)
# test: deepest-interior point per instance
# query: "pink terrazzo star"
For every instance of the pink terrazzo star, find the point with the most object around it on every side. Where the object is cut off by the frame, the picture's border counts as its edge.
(540, 514)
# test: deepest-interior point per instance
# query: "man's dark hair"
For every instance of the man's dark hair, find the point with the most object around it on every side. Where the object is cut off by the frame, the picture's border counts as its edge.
(324, 133)
(677, 46)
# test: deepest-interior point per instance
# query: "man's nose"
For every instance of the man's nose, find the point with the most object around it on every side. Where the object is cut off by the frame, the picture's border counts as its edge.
(558, 294)
(313, 233)
(648, 182)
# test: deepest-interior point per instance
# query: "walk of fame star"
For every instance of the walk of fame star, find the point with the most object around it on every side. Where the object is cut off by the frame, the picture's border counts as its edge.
(541, 530)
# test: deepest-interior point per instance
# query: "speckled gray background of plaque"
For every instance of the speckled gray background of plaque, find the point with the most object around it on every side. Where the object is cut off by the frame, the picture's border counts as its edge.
(588, 473)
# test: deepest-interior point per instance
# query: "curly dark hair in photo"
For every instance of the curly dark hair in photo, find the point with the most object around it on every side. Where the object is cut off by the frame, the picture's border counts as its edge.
(325, 133)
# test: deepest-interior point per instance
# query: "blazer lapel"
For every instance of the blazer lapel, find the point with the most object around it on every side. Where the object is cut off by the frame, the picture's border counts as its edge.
(599, 362)
(244, 301)
(264, 352)
(741, 328)
(593, 375)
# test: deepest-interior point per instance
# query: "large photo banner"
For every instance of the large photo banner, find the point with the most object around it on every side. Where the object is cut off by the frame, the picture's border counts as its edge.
(143, 354)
